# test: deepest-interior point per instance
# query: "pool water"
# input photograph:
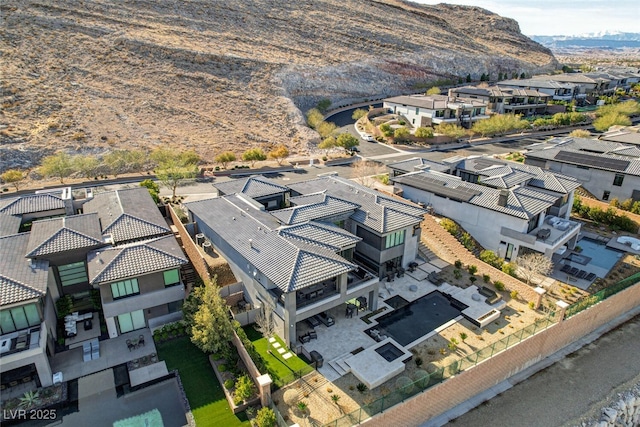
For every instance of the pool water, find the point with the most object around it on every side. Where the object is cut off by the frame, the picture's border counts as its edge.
(601, 256)
(416, 319)
(389, 351)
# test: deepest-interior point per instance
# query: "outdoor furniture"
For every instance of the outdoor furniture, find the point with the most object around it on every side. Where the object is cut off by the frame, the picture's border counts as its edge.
(95, 349)
(362, 301)
(313, 322)
(412, 266)
(400, 271)
(304, 338)
(86, 351)
(88, 325)
(317, 359)
(21, 342)
(313, 335)
(581, 274)
(590, 276)
(574, 271)
(543, 233)
(390, 276)
(130, 345)
(491, 296)
(566, 268)
(326, 319)
(433, 278)
(141, 340)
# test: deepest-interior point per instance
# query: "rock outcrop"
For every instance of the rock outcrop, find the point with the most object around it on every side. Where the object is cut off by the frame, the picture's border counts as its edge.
(94, 75)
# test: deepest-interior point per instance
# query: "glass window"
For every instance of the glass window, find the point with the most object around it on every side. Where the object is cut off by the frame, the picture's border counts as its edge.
(19, 318)
(617, 181)
(131, 321)
(605, 195)
(394, 239)
(171, 277)
(6, 322)
(125, 288)
(72, 274)
(33, 317)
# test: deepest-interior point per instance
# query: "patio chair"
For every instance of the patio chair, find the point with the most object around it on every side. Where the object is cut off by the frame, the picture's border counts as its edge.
(590, 277)
(581, 274)
(141, 340)
(574, 271)
(130, 345)
(313, 335)
(566, 268)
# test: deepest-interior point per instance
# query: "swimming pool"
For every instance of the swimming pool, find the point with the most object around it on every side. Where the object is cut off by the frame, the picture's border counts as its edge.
(601, 256)
(408, 323)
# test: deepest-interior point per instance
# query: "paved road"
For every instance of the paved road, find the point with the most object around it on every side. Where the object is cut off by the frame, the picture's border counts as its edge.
(569, 391)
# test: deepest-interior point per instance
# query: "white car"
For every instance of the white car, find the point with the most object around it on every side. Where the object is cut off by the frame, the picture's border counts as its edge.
(368, 137)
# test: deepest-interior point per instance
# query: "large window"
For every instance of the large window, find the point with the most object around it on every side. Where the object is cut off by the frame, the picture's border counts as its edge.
(125, 288)
(17, 318)
(617, 181)
(368, 237)
(131, 321)
(171, 277)
(394, 239)
(72, 274)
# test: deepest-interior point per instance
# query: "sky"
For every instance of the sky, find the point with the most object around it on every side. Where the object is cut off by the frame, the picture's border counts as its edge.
(562, 17)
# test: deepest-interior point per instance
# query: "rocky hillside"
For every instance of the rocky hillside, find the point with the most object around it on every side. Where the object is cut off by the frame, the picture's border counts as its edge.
(93, 75)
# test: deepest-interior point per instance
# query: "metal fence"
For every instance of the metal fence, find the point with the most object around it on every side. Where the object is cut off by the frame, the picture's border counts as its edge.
(587, 302)
(423, 380)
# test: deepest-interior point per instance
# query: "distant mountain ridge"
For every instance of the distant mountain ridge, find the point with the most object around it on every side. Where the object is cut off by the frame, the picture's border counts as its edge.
(601, 40)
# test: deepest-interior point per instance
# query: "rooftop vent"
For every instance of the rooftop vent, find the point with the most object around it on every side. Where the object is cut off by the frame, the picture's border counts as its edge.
(503, 198)
(251, 243)
(32, 263)
(98, 259)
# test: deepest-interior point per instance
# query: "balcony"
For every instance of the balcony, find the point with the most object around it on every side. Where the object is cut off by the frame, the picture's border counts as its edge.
(545, 236)
(315, 293)
(143, 301)
(19, 341)
(357, 277)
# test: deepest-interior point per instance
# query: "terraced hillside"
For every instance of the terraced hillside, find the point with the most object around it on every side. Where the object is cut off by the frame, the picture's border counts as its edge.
(93, 75)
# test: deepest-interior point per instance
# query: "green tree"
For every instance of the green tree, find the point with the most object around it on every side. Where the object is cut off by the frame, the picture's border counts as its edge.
(401, 134)
(327, 144)
(314, 116)
(347, 141)
(386, 129)
(483, 77)
(580, 133)
(324, 105)
(435, 90)
(603, 123)
(253, 155)
(86, 165)
(117, 162)
(326, 129)
(174, 168)
(358, 114)
(225, 158)
(59, 165)
(451, 130)
(468, 78)
(523, 76)
(154, 189)
(13, 177)
(245, 388)
(279, 153)
(265, 417)
(208, 319)
(500, 76)
(424, 132)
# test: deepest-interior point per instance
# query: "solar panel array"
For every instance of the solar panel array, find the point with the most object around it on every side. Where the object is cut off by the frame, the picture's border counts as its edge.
(438, 187)
(593, 160)
(483, 163)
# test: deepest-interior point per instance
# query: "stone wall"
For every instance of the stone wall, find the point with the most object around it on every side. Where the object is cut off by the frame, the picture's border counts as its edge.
(190, 248)
(458, 389)
(625, 412)
(447, 247)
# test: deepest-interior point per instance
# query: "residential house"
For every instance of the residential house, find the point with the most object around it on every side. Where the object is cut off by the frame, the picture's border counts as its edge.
(507, 207)
(330, 245)
(503, 100)
(606, 169)
(58, 255)
(586, 85)
(432, 110)
(622, 135)
(558, 91)
(262, 190)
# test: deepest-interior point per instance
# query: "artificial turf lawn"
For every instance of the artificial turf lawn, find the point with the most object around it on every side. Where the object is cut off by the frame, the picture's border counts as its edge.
(280, 370)
(206, 398)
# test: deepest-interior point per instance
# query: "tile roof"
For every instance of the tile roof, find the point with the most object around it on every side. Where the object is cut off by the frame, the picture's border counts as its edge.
(548, 150)
(542, 83)
(416, 163)
(290, 264)
(9, 224)
(498, 91)
(522, 202)
(434, 102)
(134, 259)
(322, 206)
(128, 214)
(21, 279)
(380, 213)
(31, 203)
(322, 234)
(63, 234)
(255, 186)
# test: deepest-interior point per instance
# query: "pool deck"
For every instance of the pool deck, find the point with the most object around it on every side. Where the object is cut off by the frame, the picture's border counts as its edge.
(347, 336)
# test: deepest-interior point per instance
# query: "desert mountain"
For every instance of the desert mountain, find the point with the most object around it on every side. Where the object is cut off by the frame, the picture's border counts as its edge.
(93, 75)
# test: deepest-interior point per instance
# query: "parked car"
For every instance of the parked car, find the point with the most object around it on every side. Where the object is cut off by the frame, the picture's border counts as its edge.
(368, 137)
(313, 322)
(354, 150)
(326, 319)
